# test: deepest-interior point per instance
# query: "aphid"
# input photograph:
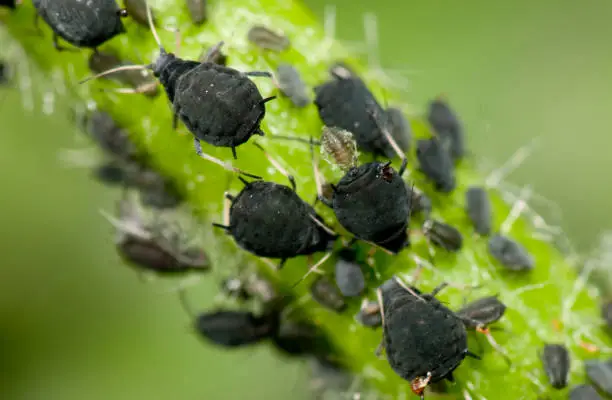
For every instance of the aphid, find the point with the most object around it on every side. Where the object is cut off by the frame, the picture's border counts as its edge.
(600, 372)
(270, 220)
(584, 392)
(198, 9)
(81, 23)
(447, 126)
(399, 128)
(267, 39)
(606, 313)
(510, 253)
(137, 10)
(443, 235)
(424, 340)
(219, 105)
(291, 85)
(109, 173)
(348, 275)
(435, 162)
(12, 4)
(484, 311)
(345, 102)
(114, 140)
(297, 338)
(556, 361)
(419, 202)
(339, 147)
(369, 314)
(142, 81)
(324, 292)
(245, 288)
(144, 246)
(214, 55)
(235, 328)
(478, 208)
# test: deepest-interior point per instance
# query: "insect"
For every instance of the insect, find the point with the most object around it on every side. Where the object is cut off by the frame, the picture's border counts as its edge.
(348, 275)
(267, 39)
(109, 173)
(447, 126)
(478, 208)
(419, 202)
(606, 313)
(584, 392)
(146, 247)
(245, 288)
(137, 10)
(291, 85)
(485, 311)
(599, 373)
(369, 314)
(80, 23)
(345, 102)
(113, 140)
(12, 4)
(297, 338)
(443, 235)
(556, 361)
(325, 293)
(195, 89)
(198, 9)
(234, 328)
(141, 81)
(399, 128)
(214, 55)
(339, 148)
(424, 340)
(270, 220)
(510, 253)
(435, 162)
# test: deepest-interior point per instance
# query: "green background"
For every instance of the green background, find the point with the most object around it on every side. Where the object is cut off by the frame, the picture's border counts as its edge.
(76, 324)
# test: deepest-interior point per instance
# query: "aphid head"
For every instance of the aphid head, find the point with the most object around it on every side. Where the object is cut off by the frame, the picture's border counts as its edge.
(386, 171)
(419, 384)
(161, 62)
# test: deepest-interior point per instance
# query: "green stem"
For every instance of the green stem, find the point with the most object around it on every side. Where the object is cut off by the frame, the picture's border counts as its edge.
(534, 299)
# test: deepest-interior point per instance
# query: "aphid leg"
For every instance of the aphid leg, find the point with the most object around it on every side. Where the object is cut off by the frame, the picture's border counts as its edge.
(313, 268)
(174, 121)
(322, 225)
(481, 328)
(438, 289)
(281, 264)
(214, 51)
(381, 345)
(227, 202)
(264, 74)
(276, 165)
(198, 149)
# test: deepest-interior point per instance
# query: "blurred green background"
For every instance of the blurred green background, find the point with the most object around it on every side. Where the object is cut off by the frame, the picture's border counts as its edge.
(76, 324)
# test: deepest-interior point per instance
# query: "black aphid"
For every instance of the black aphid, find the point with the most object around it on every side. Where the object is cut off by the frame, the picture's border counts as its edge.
(235, 328)
(443, 235)
(290, 83)
(510, 253)
(436, 163)
(141, 81)
(81, 23)
(12, 4)
(219, 105)
(214, 55)
(297, 338)
(324, 292)
(600, 373)
(447, 126)
(556, 362)
(270, 220)
(478, 208)
(606, 313)
(584, 392)
(348, 275)
(399, 127)
(111, 138)
(346, 102)
(137, 10)
(419, 202)
(267, 39)
(483, 311)
(144, 246)
(369, 314)
(198, 10)
(424, 340)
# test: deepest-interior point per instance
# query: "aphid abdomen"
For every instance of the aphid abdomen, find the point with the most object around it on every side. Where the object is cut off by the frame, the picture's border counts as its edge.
(171, 73)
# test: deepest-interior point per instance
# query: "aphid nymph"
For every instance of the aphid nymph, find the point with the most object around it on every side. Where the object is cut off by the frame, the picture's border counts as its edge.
(290, 83)
(510, 253)
(198, 10)
(447, 126)
(478, 209)
(435, 162)
(599, 373)
(324, 292)
(369, 314)
(267, 39)
(141, 81)
(443, 235)
(137, 10)
(399, 127)
(485, 311)
(556, 361)
(339, 148)
(584, 392)
(348, 275)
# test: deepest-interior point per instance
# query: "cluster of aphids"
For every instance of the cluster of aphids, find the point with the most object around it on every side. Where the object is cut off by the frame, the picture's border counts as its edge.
(423, 339)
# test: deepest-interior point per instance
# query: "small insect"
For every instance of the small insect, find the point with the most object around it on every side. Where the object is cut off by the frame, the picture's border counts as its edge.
(195, 89)
(399, 128)
(291, 85)
(111, 138)
(510, 253)
(435, 162)
(599, 373)
(141, 81)
(556, 361)
(146, 247)
(246, 288)
(443, 235)
(447, 126)
(419, 202)
(109, 173)
(485, 311)
(235, 328)
(214, 55)
(270, 220)
(80, 23)
(12, 4)
(478, 208)
(198, 9)
(369, 314)
(324, 292)
(137, 10)
(267, 39)
(584, 392)
(339, 148)
(606, 313)
(424, 340)
(348, 275)
(298, 338)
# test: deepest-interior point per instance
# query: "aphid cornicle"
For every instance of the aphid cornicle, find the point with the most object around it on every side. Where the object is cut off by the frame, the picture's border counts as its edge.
(265, 38)
(141, 81)
(298, 338)
(478, 208)
(447, 126)
(424, 340)
(198, 10)
(599, 373)
(443, 235)
(81, 23)
(436, 163)
(325, 293)
(348, 275)
(556, 362)
(510, 253)
(484, 311)
(290, 83)
(584, 392)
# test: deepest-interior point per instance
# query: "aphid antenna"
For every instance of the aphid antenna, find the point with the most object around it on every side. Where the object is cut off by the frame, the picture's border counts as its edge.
(329, 21)
(517, 209)
(314, 268)
(226, 166)
(296, 139)
(392, 142)
(407, 288)
(277, 165)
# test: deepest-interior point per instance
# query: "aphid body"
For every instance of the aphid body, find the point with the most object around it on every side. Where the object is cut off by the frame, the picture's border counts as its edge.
(137, 10)
(82, 23)
(348, 275)
(399, 128)
(600, 373)
(369, 314)
(235, 328)
(325, 293)
(584, 392)
(435, 162)
(267, 39)
(297, 338)
(447, 126)
(483, 311)
(291, 85)
(114, 140)
(556, 361)
(510, 253)
(339, 148)
(443, 235)
(478, 208)
(198, 9)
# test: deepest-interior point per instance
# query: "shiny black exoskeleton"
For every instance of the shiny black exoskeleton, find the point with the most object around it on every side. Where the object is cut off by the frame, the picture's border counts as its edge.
(81, 23)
